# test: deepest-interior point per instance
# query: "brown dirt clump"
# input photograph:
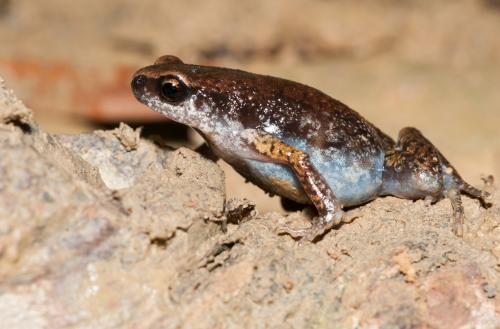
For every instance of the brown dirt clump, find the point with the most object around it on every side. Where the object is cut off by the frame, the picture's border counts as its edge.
(109, 230)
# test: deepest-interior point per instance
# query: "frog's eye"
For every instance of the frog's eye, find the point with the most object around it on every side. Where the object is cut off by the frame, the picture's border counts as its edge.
(173, 89)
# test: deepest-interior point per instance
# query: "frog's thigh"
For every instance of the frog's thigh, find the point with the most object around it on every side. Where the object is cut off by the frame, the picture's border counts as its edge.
(412, 169)
(313, 183)
(416, 169)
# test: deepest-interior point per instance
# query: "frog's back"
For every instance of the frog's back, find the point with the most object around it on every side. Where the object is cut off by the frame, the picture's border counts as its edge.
(343, 146)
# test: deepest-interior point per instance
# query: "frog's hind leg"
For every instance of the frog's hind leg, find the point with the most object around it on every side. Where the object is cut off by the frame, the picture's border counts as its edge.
(483, 196)
(415, 169)
(271, 149)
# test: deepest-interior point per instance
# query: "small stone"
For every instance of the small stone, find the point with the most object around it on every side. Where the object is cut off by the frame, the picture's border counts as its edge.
(489, 290)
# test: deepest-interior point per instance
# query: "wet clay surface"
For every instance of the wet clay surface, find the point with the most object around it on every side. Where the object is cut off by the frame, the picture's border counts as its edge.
(109, 230)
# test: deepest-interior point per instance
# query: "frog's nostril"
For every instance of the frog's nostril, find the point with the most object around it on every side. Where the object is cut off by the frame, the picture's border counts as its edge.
(138, 82)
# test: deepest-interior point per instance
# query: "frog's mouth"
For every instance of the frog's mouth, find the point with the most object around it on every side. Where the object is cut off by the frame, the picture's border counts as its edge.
(138, 83)
(191, 110)
(145, 91)
(185, 112)
(142, 86)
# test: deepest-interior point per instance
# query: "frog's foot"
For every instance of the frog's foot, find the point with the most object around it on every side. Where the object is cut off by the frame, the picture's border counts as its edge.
(453, 186)
(320, 225)
(484, 197)
(453, 194)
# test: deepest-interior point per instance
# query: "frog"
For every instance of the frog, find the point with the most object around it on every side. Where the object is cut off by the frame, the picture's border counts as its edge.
(294, 141)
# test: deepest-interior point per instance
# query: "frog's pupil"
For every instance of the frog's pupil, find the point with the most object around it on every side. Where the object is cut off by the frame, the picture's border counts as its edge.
(173, 90)
(169, 88)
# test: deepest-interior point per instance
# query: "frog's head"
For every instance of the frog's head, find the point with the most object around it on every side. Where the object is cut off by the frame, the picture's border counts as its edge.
(166, 87)
(210, 99)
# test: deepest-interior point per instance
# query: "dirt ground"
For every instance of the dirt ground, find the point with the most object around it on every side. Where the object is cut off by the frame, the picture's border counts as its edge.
(109, 229)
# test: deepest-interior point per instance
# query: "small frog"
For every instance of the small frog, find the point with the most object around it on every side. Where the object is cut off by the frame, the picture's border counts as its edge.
(297, 142)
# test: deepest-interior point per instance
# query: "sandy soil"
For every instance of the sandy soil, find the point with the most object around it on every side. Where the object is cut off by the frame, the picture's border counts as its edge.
(110, 230)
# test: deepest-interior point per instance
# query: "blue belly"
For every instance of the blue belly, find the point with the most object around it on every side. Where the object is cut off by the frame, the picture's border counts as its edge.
(354, 178)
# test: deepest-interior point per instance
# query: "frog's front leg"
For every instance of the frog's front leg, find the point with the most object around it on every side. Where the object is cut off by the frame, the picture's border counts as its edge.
(330, 212)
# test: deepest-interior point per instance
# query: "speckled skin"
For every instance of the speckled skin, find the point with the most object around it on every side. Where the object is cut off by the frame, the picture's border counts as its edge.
(297, 142)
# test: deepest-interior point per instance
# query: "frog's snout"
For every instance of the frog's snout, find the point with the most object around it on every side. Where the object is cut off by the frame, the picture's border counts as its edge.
(138, 84)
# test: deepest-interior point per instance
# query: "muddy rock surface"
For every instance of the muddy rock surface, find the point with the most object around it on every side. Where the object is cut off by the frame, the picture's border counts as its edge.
(109, 230)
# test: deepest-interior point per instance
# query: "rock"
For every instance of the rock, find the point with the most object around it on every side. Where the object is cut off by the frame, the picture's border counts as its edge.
(99, 230)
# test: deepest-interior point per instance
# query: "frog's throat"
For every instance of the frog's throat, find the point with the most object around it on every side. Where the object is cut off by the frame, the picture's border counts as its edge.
(197, 115)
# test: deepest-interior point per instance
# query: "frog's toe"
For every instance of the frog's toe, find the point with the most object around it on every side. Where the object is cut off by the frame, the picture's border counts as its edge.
(351, 215)
(293, 232)
(314, 232)
(318, 228)
(303, 234)
(458, 227)
(458, 223)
